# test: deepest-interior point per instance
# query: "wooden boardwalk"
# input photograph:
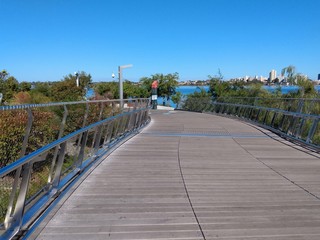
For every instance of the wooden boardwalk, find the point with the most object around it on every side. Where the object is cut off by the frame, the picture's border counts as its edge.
(195, 176)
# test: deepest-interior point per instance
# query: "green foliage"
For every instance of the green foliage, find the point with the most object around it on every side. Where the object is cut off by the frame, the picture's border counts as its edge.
(12, 130)
(38, 97)
(198, 101)
(167, 84)
(42, 87)
(307, 89)
(218, 88)
(8, 86)
(132, 90)
(67, 89)
(108, 90)
(24, 86)
(13, 127)
(177, 98)
(290, 72)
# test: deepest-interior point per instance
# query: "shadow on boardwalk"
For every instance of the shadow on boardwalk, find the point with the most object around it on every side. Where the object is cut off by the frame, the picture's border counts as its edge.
(195, 176)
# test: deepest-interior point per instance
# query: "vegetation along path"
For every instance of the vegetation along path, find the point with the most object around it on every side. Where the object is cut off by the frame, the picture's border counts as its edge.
(195, 176)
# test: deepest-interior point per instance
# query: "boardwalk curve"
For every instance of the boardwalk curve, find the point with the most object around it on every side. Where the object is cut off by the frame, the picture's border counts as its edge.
(194, 176)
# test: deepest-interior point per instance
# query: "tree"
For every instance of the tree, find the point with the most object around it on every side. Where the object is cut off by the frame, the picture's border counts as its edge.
(8, 86)
(198, 101)
(67, 89)
(25, 86)
(107, 90)
(167, 84)
(177, 98)
(42, 87)
(290, 72)
(3, 74)
(133, 90)
(216, 85)
(306, 89)
(219, 88)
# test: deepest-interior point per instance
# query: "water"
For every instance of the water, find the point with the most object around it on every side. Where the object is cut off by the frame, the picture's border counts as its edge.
(90, 93)
(284, 89)
(185, 90)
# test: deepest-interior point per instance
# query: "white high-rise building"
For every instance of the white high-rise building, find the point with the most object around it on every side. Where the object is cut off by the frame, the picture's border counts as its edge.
(272, 75)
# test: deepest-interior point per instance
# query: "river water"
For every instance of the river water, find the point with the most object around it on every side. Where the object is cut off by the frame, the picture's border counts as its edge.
(185, 90)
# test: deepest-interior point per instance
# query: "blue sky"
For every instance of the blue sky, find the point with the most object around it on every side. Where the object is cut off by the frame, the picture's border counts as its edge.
(44, 40)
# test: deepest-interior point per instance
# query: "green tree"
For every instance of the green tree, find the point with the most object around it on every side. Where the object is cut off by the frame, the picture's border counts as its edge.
(8, 86)
(177, 98)
(290, 72)
(25, 86)
(198, 101)
(67, 89)
(38, 97)
(3, 74)
(107, 90)
(218, 87)
(42, 87)
(133, 90)
(167, 84)
(306, 89)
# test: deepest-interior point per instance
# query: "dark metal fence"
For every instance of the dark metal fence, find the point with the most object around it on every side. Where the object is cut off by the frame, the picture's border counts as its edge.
(44, 165)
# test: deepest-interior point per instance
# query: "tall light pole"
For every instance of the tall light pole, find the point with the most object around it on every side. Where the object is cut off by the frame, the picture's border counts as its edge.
(121, 83)
(77, 78)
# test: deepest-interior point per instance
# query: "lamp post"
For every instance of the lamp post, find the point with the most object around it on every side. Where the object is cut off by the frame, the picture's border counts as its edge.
(121, 83)
(77, 80)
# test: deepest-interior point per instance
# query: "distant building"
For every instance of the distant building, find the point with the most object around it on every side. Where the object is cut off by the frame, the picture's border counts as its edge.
(272, 75)
(319, 76)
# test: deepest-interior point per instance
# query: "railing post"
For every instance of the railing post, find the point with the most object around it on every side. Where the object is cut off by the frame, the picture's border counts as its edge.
(27, 134)
(312, 130)
(16, 218)
(82, 149)
(58, 168)
(79, 161)
(273, 118)
(8, 218)
(63, 123)
(97, 139)
(109, 133)
(299, 130)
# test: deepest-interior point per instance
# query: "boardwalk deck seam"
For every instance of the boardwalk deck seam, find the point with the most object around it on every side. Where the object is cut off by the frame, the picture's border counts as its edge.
(187, 193)
(280, 174)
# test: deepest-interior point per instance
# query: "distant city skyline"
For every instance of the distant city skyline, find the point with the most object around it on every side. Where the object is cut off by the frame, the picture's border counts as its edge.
(47, 40)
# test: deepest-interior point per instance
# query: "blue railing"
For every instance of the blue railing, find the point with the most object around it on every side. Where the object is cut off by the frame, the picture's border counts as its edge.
(29, 184)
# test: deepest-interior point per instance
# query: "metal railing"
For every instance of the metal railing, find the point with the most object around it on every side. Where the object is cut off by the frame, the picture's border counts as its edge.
(294, 119)
(29, 184)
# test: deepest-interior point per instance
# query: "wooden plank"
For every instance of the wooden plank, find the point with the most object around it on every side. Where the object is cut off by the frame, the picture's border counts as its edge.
(241, 184)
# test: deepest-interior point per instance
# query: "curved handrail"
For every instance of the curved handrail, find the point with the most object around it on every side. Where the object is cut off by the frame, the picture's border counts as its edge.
(295, 119)
(26, 106)
(30, 184)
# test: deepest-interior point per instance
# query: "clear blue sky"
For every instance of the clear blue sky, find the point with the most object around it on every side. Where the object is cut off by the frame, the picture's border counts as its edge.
(44, 40)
